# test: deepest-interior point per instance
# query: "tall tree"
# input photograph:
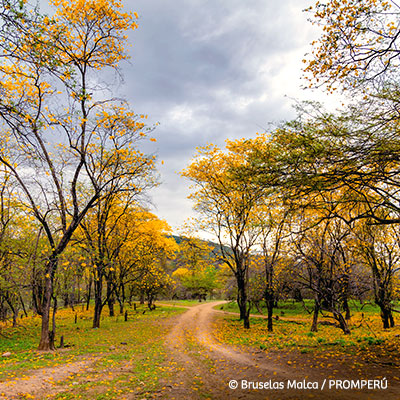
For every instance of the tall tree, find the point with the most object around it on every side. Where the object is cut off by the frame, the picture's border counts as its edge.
(324, 263)
(272, 221)
(125, 245)
(379, 248)
(59, 132)
(226, 204)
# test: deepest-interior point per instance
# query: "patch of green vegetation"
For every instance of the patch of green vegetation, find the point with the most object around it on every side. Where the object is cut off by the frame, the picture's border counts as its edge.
(373, 340)
(284, 308)
(184, 303)
(291, 308)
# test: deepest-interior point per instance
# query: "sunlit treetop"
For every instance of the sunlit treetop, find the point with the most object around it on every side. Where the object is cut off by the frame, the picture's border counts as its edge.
(92, 31)
(358, 44)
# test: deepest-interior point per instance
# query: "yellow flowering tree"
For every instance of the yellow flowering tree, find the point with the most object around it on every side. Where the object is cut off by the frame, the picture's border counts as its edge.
(63, 139)
(379, 250)
(125, 246)
(197, 273)
(226, 204)
(358, 44)
(143, 268)
(272, 221)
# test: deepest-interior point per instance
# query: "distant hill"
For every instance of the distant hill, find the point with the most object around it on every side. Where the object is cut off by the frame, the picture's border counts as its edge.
(214, 246)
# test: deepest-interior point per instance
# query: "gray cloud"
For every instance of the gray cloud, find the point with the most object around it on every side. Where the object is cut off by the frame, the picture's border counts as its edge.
(210, 70)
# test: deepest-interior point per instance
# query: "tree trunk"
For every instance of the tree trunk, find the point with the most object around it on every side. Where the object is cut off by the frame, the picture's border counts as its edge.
(150, 299)
(37, 296)
(121, 298)
(346, 308)
(391, 320)
(121, 306)
(241, 308)
(13, 308)
(243, 303)
(297, 295)
(387, 317)
(23, 305)
(45, 343)
(269, 299)
(110, 299)
(89, 293)
(246, 320)
(257, 305)
(317, 306)
(52, 333)
(98, 302)
(15, 316)
(270, 309)
(342, 322)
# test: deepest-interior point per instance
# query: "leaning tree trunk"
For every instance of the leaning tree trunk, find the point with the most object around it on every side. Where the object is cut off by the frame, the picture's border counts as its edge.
(342, 322)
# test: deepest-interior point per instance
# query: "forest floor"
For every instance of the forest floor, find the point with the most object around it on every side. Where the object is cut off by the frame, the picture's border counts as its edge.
(183, 353)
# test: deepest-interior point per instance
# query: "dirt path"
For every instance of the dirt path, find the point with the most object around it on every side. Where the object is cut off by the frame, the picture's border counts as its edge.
(43, 381)
(200, 367)
(204, 367)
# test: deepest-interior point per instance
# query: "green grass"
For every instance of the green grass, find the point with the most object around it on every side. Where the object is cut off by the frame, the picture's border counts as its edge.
(289, 308)
(284, 308)
(119, 369)
(184, 303)
(367, 339)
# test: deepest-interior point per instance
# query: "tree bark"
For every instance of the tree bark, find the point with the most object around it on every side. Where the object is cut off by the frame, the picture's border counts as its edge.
(89, 294)
(243, 302)
(342, 322)
(270, 309)
(98, 302)
(110, 299)
(387, 317)
(317, 307)
(346, 308)
(45, 343)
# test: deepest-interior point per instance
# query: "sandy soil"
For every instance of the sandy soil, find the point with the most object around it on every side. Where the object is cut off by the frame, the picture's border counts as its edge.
(41, 381)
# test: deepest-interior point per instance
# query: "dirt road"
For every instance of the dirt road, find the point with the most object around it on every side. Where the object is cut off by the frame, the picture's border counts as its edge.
(197, 366)
(205, 369)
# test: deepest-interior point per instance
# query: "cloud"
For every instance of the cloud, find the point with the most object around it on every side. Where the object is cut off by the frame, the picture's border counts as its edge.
(210, 70)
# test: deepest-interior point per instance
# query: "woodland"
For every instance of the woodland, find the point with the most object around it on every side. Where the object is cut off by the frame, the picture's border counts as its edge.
(305, 216)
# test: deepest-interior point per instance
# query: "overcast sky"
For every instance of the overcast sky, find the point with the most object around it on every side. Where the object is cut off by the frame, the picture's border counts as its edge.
(209, 70)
